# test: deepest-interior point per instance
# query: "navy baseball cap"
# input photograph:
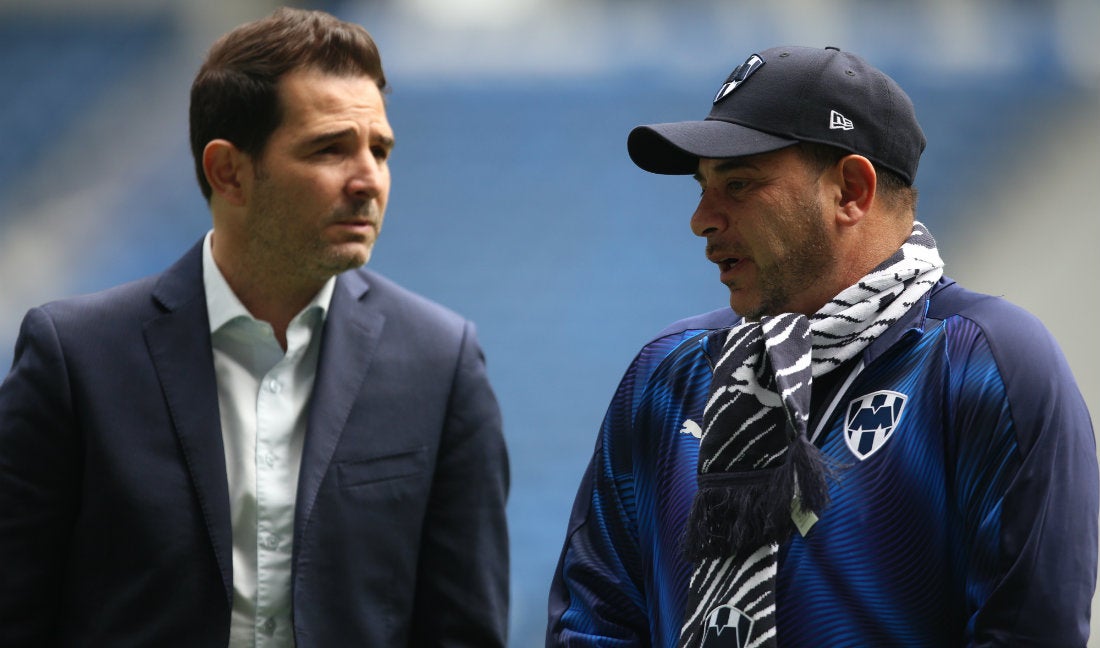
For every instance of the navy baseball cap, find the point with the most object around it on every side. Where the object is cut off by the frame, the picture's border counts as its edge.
(786, 95)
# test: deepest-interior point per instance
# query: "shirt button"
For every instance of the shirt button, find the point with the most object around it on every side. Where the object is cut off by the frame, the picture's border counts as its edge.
(269, 626)
(269, 459)
(269, 541)
(274, 386)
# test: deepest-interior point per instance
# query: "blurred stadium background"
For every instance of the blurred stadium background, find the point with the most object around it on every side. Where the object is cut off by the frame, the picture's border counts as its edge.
(513, 199)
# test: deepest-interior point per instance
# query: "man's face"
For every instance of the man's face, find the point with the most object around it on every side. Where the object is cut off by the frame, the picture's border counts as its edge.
(322, 182)
(765, 223)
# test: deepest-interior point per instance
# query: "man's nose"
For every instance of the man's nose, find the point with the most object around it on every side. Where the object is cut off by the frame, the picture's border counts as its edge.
(708, 218)
(367, 176)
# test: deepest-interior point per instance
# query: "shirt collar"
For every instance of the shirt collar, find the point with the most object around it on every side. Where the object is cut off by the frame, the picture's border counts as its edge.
(222, 304)
(912, 324)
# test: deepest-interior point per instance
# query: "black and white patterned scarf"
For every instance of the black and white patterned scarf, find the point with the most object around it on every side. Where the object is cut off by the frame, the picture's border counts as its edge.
(759, 474)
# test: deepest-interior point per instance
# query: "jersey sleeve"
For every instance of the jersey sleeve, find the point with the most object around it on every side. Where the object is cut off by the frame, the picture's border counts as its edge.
(596, 598)
(1026, 481)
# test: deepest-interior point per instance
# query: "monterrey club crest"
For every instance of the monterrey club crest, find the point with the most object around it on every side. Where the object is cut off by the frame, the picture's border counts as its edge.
(726, 627)
(738, 76)
(871, 421)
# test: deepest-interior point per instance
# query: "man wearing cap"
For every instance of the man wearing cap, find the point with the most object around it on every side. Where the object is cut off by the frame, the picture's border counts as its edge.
(860, 452)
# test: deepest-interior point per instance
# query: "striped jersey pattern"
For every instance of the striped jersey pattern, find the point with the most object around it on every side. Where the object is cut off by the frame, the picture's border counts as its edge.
(974, 524)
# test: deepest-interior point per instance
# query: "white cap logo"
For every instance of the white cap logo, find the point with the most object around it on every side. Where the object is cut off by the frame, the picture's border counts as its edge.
(738, 76)
(839, 122)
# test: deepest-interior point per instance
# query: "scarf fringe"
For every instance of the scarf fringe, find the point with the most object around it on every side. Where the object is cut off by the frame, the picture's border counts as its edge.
(744, 510)
(811, 473)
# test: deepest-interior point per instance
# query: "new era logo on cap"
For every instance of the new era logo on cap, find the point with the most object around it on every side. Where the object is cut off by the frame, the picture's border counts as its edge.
(839, 122)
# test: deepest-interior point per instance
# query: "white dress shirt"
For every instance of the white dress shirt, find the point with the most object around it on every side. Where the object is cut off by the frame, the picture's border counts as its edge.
(263, 398)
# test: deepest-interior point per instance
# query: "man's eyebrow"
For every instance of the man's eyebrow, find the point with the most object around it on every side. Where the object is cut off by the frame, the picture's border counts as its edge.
(332, 136)
(326, 137)
(385, 140)
(734, 163)
(728, 165)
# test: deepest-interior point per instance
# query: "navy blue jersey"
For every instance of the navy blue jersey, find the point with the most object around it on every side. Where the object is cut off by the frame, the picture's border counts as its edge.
(963, 510)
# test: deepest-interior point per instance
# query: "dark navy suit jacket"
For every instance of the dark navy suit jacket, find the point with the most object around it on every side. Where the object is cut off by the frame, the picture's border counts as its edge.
(114, 507)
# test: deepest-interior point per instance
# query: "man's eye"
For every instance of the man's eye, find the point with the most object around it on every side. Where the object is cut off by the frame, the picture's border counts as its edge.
(380, 152)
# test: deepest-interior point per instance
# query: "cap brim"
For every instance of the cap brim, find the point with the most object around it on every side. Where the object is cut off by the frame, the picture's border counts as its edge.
(675, 148)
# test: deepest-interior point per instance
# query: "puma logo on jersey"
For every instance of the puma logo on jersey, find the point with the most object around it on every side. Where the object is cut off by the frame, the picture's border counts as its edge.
(692, 428)
(871, 421)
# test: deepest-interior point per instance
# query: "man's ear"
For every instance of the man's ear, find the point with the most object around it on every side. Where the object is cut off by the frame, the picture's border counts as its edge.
(227, 170)
(858, 184)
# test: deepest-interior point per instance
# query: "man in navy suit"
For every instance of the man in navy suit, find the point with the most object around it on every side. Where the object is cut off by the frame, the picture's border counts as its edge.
(265, 444)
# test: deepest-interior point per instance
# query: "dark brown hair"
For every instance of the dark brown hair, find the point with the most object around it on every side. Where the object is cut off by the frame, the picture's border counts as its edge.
(235, 94)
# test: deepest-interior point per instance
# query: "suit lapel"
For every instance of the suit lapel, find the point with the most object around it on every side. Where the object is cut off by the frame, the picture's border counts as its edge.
(179, 344)
(349, 342)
